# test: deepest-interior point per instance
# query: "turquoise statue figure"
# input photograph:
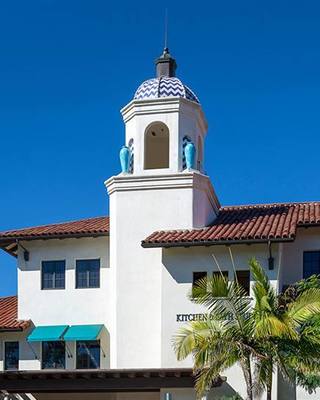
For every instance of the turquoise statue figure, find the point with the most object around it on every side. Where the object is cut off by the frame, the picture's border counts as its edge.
(190, 153)
(124, 159)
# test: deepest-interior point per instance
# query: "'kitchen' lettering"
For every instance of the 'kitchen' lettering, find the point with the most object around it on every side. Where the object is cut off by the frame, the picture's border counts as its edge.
(191, 317)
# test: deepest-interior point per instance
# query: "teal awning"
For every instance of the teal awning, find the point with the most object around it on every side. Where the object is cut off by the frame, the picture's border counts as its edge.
(47, 333)
(82, 332)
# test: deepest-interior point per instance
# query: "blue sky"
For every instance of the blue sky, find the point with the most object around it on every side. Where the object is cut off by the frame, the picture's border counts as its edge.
(67, 67)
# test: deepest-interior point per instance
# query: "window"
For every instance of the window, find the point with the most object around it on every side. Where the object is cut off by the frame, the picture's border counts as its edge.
(53, 275)
(311, 263)
(225, 274)
(11, 355)
(53, 355)
(88, 274)
(88, 354)
(156, 146)
(197, 276)
(243, 278)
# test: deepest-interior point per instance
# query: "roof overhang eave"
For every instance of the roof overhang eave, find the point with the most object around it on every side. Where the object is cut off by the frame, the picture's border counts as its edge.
(98, 380)
(26, 325)
(2, 330)
(209, 243)
(9, 240)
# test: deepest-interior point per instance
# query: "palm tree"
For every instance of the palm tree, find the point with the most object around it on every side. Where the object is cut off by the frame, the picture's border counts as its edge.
(288, 336)
(254, 334)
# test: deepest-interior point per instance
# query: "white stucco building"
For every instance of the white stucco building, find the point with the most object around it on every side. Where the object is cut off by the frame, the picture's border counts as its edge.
(100, 299)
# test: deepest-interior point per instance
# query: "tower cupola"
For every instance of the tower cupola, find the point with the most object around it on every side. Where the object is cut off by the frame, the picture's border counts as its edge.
(165, 125)
(165, 84)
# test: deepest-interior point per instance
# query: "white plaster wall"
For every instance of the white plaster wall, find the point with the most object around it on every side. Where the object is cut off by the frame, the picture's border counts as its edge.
(28, 357)
(137, 338)
(304, 395)
(205, 203)
(69, 305)
(292, 258)
(140, 205)
(177, 274)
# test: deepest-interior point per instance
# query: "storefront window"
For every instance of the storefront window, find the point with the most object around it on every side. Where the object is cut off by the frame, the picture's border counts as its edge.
(88, 354)
(53, 355)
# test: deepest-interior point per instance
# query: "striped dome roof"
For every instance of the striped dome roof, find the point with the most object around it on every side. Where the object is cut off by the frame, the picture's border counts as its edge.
(164, 86)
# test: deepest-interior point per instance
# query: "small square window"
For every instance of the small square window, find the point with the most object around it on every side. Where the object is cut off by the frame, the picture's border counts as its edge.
(243, 278)
(11, 356)
(53, 274)
(224, 274)
(311, 263)
(87, 274)
(197, 276)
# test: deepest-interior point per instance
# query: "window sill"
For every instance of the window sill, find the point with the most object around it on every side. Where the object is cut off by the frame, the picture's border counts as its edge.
(89, 287)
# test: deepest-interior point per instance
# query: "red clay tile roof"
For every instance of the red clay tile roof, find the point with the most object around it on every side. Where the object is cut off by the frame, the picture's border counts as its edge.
(250, 223)
(98, 226)
(89, 226)
(9, 314)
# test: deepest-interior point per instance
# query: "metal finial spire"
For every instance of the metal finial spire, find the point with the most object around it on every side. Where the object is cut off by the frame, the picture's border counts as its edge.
(166, 29)
(166, 64)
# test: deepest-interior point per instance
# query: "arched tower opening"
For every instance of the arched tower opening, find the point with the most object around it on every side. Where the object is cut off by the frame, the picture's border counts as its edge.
(156, 146)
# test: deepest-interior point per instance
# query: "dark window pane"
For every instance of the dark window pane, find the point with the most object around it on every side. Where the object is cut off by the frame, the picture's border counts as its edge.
(88, 273)
(53, 275)
(88, 354)
(225, 274)
(59, 275)
(195, 280)
(197, 276)
(243, 278)
(53, 355)
(311, 263)
(11, 356)
(81, 276)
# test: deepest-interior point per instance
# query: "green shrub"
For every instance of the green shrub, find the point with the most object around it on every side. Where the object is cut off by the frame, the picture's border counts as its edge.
(234, 397)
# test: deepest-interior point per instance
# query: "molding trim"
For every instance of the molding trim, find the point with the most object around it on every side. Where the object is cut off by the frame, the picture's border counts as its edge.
(183, 180)
(163, 106)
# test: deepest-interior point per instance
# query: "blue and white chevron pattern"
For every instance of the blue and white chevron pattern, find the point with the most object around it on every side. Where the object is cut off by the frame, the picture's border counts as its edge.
(164, 87)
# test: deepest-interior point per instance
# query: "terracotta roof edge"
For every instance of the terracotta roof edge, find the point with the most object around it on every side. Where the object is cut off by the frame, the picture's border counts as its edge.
(292, 203)
(51, 224)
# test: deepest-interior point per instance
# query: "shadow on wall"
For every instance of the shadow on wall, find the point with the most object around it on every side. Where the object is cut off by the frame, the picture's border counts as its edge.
(224, 392)
(181, 262)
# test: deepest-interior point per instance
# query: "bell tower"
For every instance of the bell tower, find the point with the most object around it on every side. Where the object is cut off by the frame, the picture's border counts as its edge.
(161, 186)
(161, 120)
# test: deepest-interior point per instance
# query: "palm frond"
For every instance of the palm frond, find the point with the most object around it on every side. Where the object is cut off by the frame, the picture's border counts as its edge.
(269, 325)
(193, 335)
(306, 306)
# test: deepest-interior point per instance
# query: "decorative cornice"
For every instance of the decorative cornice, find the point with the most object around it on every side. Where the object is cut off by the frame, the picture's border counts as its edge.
(162, 106)
(183, 180)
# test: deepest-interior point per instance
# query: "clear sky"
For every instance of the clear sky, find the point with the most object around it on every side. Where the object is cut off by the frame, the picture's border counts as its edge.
(67, 67)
